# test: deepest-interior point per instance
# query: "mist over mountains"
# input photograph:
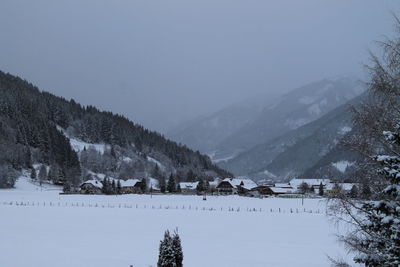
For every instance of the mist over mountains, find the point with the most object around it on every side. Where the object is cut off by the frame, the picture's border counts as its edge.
(274, 139)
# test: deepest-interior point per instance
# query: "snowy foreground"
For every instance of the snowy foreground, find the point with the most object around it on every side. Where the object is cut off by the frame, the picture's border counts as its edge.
(40, 228)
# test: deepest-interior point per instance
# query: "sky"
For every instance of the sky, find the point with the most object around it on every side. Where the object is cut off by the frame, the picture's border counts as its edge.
(161, 62)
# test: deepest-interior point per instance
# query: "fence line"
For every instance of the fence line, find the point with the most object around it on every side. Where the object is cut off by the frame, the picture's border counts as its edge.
(158, 207)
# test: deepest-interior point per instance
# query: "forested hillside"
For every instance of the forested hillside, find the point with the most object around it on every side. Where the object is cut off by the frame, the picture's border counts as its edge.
(310, 151)
(38, 127)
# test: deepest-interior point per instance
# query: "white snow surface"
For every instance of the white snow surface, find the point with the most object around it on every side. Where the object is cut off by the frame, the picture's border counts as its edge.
(79, 145)
(102, 231)
(159, 164)
(342, 165)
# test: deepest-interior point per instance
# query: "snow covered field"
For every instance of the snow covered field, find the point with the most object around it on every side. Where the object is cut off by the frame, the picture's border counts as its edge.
(39, 227)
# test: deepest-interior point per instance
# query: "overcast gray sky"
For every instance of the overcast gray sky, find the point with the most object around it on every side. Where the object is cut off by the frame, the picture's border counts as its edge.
(162, 61)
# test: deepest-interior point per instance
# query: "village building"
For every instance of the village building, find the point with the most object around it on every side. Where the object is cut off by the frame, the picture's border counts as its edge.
(188, 187)
(261, 190)
(235, 186)
(91, 187)
(131, 186)
(283, 185)
(280, 191)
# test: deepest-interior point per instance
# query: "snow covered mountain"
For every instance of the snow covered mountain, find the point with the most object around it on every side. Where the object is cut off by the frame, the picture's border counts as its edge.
(291, 111)
(74, 140)
(206, 132)
(301, 152)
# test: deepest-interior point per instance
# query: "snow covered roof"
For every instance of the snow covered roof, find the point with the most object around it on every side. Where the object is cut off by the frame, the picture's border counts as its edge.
(93, 182)
(295, 183)
(279, 190)
(153, 183)
(129, 182)
(215, 182)
(283, 185)
(188, 185)
(247, 183)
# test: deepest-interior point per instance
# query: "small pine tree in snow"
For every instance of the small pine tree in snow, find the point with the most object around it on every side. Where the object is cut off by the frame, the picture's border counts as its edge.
(143, 185)
(321, 189)
(200, 187)
(33, 174)
(42, 174)
(166, 256)
(354, 192)
(119, 188)
(177, 248)
(378, 241)
(66, 187)
(171, 184)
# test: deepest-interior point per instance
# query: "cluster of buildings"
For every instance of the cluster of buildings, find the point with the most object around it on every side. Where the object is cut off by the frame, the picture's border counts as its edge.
(227, 186)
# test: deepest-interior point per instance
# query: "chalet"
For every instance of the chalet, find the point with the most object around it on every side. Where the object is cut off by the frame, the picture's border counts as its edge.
(188, 187)
(283, 185)
(91, 187)
(213, 185)
(261, 190)
(131, 186)
(280, 191)
(235, 186)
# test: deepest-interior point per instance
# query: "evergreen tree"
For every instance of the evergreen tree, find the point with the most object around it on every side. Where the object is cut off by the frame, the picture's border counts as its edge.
(378, 242)
(113, 187)
(375, 220)
(190, 177)
(42, 174)
(321, 189)
(143, 185)
(177, 249)
(119, 188)
(33, 174)
(66, 187)
(162, 185)
(354, 191)
(200, 187)
(54, 173)
(365, 191)
(166, 256)
(171, 187)
(107, 187)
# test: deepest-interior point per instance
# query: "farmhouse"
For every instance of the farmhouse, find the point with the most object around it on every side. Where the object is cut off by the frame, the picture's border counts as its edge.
(188, 187)
(283, 185)
(91, 187)
(280, 191)
(235, 186)
(261, 190)
(131, 186)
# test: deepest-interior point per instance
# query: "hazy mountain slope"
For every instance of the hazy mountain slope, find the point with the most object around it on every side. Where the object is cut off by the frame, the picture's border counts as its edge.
(206, 132)
(293, 110)
(297, 150)
(39, 127)
(337, 164)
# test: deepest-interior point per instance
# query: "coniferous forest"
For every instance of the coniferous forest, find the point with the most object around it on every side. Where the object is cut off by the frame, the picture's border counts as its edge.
(35, 127)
